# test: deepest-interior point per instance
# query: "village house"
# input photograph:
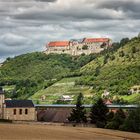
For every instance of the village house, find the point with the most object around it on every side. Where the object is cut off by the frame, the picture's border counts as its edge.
(78, 46)
(66, 98)
(135, 89)
(18, 110)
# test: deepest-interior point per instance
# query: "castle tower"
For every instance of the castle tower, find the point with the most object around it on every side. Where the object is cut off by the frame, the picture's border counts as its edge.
(2, 101)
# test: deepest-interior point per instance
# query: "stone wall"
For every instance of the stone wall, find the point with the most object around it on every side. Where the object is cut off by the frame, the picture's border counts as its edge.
(76, 49)
(30, 116)
(57, 115)
(2, 99)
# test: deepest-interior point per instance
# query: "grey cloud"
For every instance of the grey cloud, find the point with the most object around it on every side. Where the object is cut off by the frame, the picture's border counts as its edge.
(130, 8)
(27, 26)
(20, 1)
(46, 0)
(125, 5)
(13, 40)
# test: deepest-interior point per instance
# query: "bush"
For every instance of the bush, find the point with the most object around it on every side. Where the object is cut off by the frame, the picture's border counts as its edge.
(110, 116)
(112, 125)
(100, 124)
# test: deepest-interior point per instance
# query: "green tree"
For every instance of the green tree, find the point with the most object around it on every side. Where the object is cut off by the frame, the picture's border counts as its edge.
(85, 47)
(98, 113)
(106, 58)
(97, 71)
(1, 88)
(132, 122)
(110, 116)
(134, 50)
(78, 114)
(121, 54)
(124, 41)
(117, 120)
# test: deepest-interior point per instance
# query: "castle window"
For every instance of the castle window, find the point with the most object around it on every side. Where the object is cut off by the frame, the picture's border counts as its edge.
(20, 111)
(26, 111)
(14, 111)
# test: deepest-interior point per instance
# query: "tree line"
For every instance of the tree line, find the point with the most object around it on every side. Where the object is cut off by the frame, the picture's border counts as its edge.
(103, 118)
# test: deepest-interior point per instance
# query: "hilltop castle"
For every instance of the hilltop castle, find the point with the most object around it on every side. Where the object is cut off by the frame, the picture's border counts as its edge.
(78, 47)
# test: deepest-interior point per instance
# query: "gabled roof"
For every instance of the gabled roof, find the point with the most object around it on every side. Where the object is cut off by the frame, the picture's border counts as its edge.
(108, 102)
(18, 103)
(58, 44)
(90, 40)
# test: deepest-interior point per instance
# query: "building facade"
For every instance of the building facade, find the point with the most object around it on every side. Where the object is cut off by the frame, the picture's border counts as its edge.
(17, 110)
(78, 47)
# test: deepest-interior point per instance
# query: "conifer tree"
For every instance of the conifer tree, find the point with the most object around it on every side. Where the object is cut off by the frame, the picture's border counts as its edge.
(78, 114)
(98, 113)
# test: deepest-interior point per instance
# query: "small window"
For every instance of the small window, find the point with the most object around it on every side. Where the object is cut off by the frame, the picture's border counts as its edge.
(20, 111)
(14, 111)
(26, 111)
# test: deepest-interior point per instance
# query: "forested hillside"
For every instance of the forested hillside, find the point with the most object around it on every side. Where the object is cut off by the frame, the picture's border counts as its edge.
(116, 70)
(32, 72)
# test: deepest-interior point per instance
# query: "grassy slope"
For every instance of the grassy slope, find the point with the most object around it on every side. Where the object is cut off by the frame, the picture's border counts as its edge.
(118, 61)
(134, 98)
(120, 73)
(66, 86)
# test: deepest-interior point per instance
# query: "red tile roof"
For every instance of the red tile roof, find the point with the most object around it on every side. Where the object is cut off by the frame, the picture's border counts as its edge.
(108, 102)
(90, 40)
(58, 44)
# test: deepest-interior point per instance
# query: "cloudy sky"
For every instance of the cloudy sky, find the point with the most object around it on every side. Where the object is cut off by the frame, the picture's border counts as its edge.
(27, 25)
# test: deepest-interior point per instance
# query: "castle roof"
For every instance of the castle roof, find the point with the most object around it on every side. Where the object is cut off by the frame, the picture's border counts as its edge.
(58, 44)
(18, 103)
(90, 40)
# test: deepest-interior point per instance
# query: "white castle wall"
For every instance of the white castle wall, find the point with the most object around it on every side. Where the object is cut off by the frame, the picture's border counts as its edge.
(77, 48)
